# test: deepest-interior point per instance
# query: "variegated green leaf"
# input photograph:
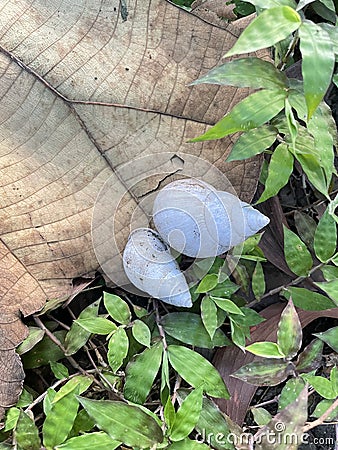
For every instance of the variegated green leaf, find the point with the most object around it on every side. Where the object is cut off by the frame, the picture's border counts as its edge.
(252, 112)
(271, 26)
(265, 349)
(246, 72)
(311, 357)
(269, 372)
(325, 239)
(318, 61)
(289, 332)
(297, 256)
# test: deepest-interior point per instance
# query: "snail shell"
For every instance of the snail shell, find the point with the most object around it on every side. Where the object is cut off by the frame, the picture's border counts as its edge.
(150, 266)
(199, 221)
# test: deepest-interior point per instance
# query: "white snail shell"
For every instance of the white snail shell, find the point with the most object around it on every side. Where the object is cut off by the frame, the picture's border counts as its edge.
(199, 221)
(150, 266)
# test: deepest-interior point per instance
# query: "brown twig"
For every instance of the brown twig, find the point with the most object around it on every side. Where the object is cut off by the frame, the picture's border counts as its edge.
(322, 418)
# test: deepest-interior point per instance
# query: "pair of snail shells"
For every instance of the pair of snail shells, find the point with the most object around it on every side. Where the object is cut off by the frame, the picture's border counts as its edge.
(197, 220)
(194, 219)
(150, 267)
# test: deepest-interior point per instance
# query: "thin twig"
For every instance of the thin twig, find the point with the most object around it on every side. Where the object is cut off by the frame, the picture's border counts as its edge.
(322, 418)
(159, 326)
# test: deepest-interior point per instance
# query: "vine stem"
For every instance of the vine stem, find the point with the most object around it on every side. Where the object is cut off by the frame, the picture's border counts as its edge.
(322, 418)
(292, 283)
(159, 325)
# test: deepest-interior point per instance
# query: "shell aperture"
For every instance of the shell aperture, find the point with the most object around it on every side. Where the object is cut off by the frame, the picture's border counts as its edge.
(199, 221)
(150, 266)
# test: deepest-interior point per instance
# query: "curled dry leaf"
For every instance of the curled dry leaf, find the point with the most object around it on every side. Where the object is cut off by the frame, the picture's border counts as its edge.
(85, 90)
(229, 359)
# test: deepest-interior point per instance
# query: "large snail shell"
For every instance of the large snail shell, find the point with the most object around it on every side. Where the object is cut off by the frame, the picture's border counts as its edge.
(150, 266)
(199, 221)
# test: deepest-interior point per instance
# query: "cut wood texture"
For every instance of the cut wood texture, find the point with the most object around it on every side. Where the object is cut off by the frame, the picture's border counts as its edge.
(229, 359)
(86, 88)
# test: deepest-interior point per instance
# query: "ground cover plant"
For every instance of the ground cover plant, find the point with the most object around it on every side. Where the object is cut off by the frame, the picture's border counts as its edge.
(130, 372)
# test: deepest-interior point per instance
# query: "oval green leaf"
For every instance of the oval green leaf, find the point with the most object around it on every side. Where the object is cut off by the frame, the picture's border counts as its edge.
(246, 72)
(141, 333)
(189, 328)
(118, 346)
(209, 315)
(258, 281)
(263, 373)
(227, 305)
(325, 240)
(330, 337)
(252, 143)
(98, 440)
(297, 256)
(141, 373)
(187, 415)
(97, 325)
(207, 283)
(265, 349)
(124, 423)
(197, 371)
(271, 26)
(318, 62)
(252, 112)
(289, 333)
(117, 308)
(308, 300)
(280, 169)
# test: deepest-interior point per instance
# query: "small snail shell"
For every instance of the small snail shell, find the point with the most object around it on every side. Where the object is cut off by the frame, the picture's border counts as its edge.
(199, 221)
(150, 266)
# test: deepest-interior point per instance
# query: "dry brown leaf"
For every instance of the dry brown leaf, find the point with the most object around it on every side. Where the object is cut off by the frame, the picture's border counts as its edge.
(86, 89)
(228, 359)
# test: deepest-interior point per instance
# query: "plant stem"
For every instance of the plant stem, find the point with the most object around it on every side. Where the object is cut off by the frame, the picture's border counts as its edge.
(322, 418)
(159, 326)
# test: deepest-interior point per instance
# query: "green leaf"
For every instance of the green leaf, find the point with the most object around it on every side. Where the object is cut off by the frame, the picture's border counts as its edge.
(81, 424)
(321, 385)
(238, 333)
(311, 166)
(96, 440)
(317, 63)
(308, 300)
(311, 357)
(261, 416)
(297, 256)
(59, 370)
(48, 400)
(252, 143)
(80, 383)
(26, 433)
(209, 282)
(187, 415)
(197, 371)
(44, 352)
(322, 407)
(117, 308)
(97, 325)
(306, 228)
(209, 315)
(124, 423)
(246, 72)
(252, 112)
(60, 419)
(271, 26)
(12, 417)
(289, 333)
(279, 171)
(35, 335)
(331, 289)
(265, 349)
(323, 129)
(77, 336)
(141, 333)
(189, 328)
(330, 273)
(118, 346)
(269, 372)
(141, 373)
(249, 317)
(334, 379)
(227, 305)
(290, 392)
(330, 337)
(25, 399)
(325, 240)
(212, 426)
(169, 413)
(258, 281)
(224, 289)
